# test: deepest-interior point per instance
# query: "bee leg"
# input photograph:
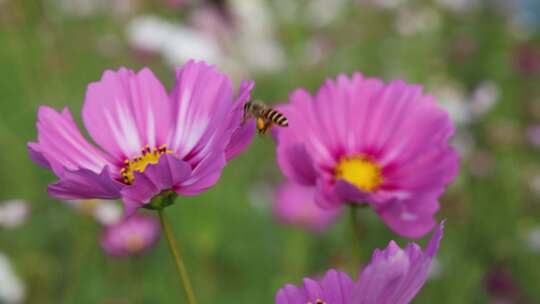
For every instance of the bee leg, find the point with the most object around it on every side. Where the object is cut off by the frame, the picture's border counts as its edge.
(245, 118)
(267, 125)
(261, 125)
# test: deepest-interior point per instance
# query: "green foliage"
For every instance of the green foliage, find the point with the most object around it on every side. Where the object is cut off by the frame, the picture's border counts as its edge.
(234, 249)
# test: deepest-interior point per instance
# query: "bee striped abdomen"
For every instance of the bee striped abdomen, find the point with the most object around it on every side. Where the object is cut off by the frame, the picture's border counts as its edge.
(277, 118)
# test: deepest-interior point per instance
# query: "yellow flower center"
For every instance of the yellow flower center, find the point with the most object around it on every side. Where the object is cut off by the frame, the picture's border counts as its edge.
(360, 171)
(139, 163)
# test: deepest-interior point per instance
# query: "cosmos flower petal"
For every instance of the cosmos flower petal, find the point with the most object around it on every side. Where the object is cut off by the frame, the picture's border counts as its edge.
(395, 275)
(350, 193)
(85, 184)
(410, 218)
(437, 166)
(125, 111)
(240, 139)
(202, 102)
(204, 176)
(132, 236)
(61, 144)
(296, 164)
(335, 287)
(291, 294)
(417, 275)
(325, 195)
(36, 156)
(338, 287)
(167, 174)
(295, 204)
(241, 135)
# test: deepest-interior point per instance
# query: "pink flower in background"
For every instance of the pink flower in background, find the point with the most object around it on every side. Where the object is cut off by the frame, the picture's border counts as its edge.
(150, 141)
(132, 236)
(394, 276)
(294, 204)
(360, 140)
(533, 135)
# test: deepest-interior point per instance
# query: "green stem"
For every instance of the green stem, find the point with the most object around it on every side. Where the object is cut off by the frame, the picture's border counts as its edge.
(355, 238)
(180, 267)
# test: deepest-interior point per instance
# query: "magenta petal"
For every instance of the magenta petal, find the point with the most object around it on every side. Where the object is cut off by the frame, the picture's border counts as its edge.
(418, 272)
(290, 294)
(242, 135)
(240, 139)
(36, 156)
(296, 163)
(295, 204)
(202, 101)
(338, 287)
(62, 145)
(124, 111)
(347, 192)
(334, 288)
(407, 220)
(132, 236)
(204, 176)
(167, 174)
(85, 184)
(395, 275)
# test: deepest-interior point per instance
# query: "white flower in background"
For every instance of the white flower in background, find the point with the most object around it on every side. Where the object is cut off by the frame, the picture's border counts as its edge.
(464, 142)
(534, 184)
(452, 98)
(465, 108)
(324, 12)
(105, 212)
(532, 239)
(175, 42)
(108, 214)
(459, 6)
(86, 8)
(287, 10)
(12, 289)
(246, 43)
(13, 213)
(386, 4)
(255, 36)
(483, 98)
(417, 20)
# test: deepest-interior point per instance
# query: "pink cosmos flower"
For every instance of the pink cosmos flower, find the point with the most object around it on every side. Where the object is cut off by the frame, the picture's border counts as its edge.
(132, 236)
(150, 142)
(294, 204)
(394, 276)
(360, 140)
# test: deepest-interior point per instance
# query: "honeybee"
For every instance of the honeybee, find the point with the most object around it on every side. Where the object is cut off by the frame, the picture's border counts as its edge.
(265, 116)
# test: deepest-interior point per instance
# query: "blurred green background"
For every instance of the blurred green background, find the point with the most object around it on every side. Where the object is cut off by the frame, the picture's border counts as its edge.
(235, 250)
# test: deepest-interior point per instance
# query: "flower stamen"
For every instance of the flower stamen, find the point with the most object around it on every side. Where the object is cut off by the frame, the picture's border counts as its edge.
(139, 163)
(361, 172)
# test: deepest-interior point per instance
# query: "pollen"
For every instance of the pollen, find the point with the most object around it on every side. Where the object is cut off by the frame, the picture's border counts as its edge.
(361, 172)
(148, 156)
